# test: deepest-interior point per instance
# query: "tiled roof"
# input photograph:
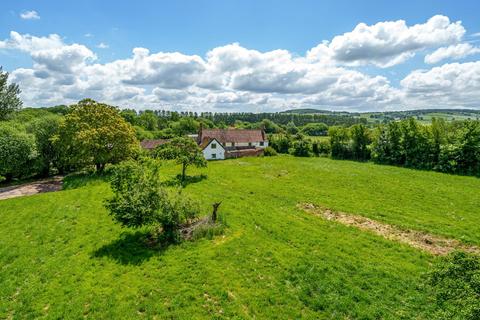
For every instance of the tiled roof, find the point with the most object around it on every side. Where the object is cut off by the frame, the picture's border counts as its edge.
(152, 144)
(232, 135)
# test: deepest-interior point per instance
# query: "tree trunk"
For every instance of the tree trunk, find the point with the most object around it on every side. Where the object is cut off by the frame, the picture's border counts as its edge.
(184, 169)
(100, 167)
(214, 212)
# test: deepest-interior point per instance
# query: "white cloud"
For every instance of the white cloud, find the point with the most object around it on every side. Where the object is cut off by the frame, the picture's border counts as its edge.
(234, 78)
(389, 43)
(450, 85)
(102, 45)
(29, 15)
(455, 52)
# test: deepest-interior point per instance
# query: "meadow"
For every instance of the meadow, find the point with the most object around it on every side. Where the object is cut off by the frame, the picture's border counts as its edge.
(62, 256)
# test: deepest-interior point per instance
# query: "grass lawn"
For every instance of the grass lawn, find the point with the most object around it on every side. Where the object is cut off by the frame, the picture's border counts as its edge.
(61, 255)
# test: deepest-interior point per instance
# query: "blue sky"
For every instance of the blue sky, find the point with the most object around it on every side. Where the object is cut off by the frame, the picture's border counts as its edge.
(197, 27)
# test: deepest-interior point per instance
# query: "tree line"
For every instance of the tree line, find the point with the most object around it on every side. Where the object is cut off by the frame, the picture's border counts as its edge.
(452, 147)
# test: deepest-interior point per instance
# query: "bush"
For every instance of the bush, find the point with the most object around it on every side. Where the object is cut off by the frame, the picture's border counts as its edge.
(140, 200)
(321, 148)
(315, 129)
(301, 148)
(17, 153)
(455, 286)
(281, 143)
(269, 152)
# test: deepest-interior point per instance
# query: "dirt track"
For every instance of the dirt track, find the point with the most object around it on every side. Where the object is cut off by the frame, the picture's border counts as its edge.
(27, 189)
(433, 244)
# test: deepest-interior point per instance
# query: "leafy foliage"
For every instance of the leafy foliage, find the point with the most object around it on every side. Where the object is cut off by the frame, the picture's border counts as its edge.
(269, 152)
(17, 152)
(184, 151)
(455, 284)
(140, 200)
(9, 100)
(95, 134)
(315, 129)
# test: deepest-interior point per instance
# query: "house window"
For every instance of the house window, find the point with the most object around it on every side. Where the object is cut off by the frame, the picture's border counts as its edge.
(214, 156)
(261, 143)
(214, 146)
(233, 144)
(249, 144)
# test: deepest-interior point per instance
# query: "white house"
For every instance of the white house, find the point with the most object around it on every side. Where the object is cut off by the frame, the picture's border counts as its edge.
(231, 143)
(213, 150)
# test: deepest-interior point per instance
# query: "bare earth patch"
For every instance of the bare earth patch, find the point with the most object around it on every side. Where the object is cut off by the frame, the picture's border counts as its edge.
(430, 243)
(27, 189)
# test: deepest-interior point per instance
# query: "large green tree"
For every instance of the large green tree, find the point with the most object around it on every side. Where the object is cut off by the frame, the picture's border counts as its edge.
(9, 100)
(184, 151)
(95, 134)
(17, 152)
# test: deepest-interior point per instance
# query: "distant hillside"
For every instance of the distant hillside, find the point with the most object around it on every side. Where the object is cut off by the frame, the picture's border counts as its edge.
(421, 115)
(306, 111)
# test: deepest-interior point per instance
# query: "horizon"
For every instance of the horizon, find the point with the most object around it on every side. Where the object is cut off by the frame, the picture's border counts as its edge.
(244, 56)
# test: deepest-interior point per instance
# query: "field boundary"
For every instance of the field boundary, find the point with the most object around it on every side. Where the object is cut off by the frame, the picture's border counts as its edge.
(433, 244)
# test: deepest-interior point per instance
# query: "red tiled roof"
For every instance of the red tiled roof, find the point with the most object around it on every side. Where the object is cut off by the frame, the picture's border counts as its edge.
(232, 135)
(152, 144)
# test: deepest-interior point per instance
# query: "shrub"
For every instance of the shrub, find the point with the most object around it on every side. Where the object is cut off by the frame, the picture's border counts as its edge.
(455, 286)
(315, 129)
(281, 143)
(301, 148)
(321, 148)
(17, 153)
(139, 199)
(269, 152)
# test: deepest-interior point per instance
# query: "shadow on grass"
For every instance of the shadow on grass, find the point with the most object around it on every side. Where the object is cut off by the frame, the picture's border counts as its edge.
(177, 181)
(129, 249)
(82, 179)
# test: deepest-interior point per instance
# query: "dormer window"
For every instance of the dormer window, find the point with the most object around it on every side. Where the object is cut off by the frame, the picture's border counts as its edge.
(214, 146)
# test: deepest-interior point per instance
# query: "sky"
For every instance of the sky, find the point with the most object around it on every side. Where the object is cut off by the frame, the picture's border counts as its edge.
(248, 56)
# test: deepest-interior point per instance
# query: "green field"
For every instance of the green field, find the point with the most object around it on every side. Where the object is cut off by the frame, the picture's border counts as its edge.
(61, 255)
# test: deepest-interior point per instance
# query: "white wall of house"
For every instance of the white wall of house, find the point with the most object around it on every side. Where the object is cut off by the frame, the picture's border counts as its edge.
(214, 151)
(257, 144)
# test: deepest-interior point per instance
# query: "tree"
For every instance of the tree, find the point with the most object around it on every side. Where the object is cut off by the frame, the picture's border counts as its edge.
(281, 142)
(291, 128)
(17, 152)
(95, 134)
(9, 100)
(139, 200)
(44, 129)
(184, 150)
(360, 141)
(315, 129)
(339, 142)
(301, 148)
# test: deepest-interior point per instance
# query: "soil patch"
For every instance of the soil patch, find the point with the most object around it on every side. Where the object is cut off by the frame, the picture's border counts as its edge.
(27, 189)
(430, 243)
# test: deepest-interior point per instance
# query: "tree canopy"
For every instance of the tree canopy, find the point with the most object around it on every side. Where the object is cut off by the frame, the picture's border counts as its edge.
(184, 151)
(9, 100)
(95, 134)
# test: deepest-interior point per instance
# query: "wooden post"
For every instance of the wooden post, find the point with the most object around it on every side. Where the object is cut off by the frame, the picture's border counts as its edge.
(214, 212)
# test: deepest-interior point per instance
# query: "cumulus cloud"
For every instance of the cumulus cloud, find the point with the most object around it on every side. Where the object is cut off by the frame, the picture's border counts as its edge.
(450, 85)
(386, 44)
(235, 78)
(29, 15)
(455, 52)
